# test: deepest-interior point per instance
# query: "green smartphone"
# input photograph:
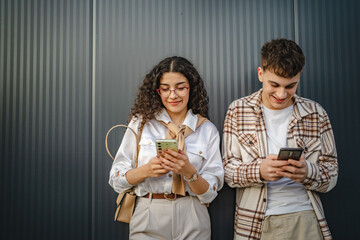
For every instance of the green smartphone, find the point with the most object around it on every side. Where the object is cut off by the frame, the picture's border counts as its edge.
(163, 144)
(290, 153)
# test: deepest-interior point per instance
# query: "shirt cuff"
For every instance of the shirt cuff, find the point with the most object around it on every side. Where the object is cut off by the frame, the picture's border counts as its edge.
(208, 196)
(248, 173)
(310, 176)
(120, 182)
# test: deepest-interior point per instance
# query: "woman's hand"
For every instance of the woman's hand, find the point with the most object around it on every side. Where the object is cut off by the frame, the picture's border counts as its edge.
(178, 162)
(154, 168)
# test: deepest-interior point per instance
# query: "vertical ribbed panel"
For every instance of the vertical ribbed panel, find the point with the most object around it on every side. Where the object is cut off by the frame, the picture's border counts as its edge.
(329, 33)
(222, 39)
(46, 96)
(45, 119)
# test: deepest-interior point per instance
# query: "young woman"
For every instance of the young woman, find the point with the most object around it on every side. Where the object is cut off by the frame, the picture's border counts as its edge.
(173, 188)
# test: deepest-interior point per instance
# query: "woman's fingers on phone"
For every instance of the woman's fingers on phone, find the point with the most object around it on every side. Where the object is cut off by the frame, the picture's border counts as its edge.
(175, 157)
(161, 169)
(173, 153)
(169, 164)
(169, 157)
(165, 163)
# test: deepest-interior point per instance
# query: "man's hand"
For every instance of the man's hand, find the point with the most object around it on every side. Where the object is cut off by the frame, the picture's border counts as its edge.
(296, 170)
(271, 169)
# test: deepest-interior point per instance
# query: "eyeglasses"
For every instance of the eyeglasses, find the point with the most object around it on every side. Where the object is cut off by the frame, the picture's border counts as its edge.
(166, 92)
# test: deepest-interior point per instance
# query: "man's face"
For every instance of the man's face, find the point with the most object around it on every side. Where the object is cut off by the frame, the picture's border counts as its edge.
(278, 91)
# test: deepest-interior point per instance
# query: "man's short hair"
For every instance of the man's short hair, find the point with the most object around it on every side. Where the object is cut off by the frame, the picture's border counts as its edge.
(282, 57)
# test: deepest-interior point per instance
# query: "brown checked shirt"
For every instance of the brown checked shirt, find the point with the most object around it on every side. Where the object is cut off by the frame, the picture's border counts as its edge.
(245, 147)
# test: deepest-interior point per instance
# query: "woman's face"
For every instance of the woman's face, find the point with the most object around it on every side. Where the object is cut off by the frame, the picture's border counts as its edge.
(174, 92)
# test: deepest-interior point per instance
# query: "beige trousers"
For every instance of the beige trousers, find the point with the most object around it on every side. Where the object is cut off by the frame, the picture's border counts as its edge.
(293, 226)
(184, 218)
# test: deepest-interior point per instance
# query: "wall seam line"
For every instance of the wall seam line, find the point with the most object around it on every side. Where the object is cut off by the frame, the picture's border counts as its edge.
(296, 22)
(93, 128)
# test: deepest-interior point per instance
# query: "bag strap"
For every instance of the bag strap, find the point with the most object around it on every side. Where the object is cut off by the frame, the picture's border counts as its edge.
(138, 137)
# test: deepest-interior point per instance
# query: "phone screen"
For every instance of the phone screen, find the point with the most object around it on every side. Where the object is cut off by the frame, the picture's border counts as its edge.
(290, 153)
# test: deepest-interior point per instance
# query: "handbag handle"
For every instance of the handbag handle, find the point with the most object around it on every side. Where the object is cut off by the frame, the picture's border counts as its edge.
(137, 142)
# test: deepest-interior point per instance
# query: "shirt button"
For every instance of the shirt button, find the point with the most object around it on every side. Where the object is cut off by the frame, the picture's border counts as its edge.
(200, 152)
(170, 175)
(149, 142)
(264, 199)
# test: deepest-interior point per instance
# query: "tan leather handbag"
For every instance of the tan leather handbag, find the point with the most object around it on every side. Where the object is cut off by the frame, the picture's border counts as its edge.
(125, 201)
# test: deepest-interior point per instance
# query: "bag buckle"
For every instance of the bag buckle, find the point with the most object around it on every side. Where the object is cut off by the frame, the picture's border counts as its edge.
(169, 198)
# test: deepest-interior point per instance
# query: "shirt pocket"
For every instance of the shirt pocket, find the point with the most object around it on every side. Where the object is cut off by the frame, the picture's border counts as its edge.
(249, 146)
(196, 154)
(147, 150)
(312, 148)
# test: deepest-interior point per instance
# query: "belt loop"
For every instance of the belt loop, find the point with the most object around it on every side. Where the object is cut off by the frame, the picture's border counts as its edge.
(150, 197)
(265, 224)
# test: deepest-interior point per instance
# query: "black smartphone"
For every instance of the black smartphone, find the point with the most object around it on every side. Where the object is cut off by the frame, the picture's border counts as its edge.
(290, 153)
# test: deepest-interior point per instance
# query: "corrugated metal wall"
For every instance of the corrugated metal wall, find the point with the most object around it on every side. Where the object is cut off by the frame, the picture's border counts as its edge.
(222, 39)
(69, 70)
(45, 119)
(329, 32)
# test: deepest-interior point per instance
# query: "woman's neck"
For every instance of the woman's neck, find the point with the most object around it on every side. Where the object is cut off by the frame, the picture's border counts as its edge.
(178, 118)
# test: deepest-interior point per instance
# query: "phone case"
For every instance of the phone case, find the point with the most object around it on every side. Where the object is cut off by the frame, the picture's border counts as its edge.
(163, 144)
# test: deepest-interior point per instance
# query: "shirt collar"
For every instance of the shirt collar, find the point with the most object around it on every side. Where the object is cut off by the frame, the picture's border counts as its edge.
(190, 119)
(254, 100)
(302, 106)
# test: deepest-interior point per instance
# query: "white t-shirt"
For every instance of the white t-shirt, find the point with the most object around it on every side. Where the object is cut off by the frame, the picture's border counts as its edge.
(284, 196)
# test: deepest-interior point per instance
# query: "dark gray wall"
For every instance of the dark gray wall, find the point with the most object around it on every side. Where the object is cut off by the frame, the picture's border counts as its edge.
(329, 34)
(45, 119)
(69, 70)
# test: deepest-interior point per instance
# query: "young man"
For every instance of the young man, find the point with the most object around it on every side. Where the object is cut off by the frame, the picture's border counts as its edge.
(278, 199)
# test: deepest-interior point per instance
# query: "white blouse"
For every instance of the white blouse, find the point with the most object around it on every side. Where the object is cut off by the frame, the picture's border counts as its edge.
(202, 149)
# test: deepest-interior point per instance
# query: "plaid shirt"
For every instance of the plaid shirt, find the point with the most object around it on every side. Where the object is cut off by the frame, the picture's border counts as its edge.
(245, 147)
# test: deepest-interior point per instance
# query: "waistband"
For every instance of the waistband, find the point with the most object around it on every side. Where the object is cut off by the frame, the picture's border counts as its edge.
(167, 196)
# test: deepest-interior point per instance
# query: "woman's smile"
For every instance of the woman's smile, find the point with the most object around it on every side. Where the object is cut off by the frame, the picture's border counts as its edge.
(174, 103)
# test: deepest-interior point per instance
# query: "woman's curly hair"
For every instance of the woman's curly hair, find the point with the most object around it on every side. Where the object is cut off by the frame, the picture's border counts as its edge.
(148, 102)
